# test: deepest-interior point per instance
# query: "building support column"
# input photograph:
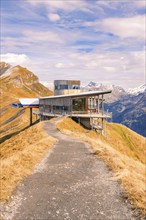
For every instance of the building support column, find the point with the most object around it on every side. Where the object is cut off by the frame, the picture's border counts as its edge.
(90, 103)
(98, 103)
(102, 105)
(30, 116)
(95, 103)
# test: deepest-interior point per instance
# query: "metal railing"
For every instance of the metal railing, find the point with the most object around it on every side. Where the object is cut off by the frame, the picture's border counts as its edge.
(74, 113)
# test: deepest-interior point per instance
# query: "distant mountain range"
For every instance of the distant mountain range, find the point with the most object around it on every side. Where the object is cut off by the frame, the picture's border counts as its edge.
(128, 107)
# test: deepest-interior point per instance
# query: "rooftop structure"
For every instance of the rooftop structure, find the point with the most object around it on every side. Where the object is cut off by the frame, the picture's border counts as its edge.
(63, 87)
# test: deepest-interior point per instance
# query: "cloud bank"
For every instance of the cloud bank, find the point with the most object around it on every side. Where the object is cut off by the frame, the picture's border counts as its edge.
(86, 40)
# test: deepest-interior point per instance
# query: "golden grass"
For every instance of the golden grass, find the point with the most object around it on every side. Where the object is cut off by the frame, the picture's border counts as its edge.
(127, 141)
(124, 152)
(16, 124)
(19, 84)
(19, 155)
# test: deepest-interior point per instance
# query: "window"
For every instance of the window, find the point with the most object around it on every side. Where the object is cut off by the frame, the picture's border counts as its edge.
(65, 86)
(75, 87)
(79, 104)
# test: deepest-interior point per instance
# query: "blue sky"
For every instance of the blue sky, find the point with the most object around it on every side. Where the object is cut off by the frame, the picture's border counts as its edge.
(101, 41)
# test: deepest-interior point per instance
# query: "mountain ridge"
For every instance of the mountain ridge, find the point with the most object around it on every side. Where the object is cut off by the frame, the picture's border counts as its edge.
(128, 107)
(17, 82)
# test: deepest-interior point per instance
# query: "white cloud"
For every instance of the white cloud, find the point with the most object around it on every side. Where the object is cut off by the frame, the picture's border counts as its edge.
(140, 3)
(43, 36)
(126, 27)
(122, 68)
(15, 59)
(60, 50)
(53, 17)
(53, 5)
(133, 27)
(59, 65)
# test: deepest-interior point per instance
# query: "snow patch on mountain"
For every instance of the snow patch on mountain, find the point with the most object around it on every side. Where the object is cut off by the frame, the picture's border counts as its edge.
(138, 90)
(8, 72)
(101, 86)
(49, 85)
(4, 67)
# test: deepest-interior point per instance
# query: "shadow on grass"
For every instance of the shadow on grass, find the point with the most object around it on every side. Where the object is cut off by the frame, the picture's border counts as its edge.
(17, 132)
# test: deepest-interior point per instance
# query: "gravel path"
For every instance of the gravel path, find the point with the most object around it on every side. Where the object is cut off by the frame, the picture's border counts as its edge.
(70, 183)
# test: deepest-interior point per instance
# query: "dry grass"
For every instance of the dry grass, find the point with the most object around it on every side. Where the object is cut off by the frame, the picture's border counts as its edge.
(19, 84)
(20, 154)
(124, 152)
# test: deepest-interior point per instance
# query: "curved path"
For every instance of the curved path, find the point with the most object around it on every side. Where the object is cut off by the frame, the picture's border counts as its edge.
(71, 183)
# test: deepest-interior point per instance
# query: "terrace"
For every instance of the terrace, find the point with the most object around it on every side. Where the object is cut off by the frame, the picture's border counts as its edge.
(87, 108)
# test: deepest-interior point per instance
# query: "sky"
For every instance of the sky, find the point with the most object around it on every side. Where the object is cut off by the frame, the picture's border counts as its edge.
(88, 40)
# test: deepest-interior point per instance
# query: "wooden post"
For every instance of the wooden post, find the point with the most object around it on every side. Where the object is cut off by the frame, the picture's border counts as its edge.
(30, 116)
(94, 102)
(102, 105)
(102, 127)
(90, 104)
(98, 103)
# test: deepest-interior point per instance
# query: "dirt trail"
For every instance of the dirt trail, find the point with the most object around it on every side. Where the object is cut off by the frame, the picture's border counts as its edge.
(70, 183)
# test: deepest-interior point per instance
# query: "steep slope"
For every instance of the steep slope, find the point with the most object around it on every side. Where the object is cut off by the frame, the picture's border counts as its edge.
(130, 111)
(20, 154)
(124, 152)
(16, 82)
(4, 67)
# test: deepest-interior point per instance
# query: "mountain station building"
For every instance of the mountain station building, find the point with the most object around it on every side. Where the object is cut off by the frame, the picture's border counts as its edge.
(87, 108)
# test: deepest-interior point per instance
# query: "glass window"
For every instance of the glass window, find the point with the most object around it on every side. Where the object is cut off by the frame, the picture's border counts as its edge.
(75, 87)
(79, 104)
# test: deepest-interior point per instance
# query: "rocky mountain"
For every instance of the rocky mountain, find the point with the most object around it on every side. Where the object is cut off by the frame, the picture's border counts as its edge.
(4, 67)
(16, 82)
(130, 111)
(118, 92)
(128, 107)
(138, 90)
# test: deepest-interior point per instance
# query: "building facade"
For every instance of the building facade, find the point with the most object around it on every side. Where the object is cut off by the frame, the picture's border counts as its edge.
(87, 107)
(64, 87)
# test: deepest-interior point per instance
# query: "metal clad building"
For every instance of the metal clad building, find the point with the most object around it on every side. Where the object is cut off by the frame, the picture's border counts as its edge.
(87, 107)
(64, 87)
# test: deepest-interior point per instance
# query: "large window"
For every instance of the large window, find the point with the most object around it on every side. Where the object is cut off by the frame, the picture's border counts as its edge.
(65, 86)
(75, 87)
(61, 87)
(79, 104)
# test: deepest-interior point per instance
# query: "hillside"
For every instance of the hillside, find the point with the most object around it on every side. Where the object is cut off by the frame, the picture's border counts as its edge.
(130, 111)
(124, 152)
(122, 149)
(16, 82)
(20, 154)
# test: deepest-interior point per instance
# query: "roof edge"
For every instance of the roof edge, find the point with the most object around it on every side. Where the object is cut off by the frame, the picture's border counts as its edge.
(78, 94)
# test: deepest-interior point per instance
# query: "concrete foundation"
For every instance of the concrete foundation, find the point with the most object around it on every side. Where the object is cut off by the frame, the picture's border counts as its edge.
(83, 121)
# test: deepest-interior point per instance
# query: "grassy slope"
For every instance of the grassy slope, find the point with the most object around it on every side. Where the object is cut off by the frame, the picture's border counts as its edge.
(124, 152)
(20, 84)
(20, 154)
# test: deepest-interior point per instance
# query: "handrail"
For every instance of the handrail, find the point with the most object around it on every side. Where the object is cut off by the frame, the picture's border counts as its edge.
(76, 113)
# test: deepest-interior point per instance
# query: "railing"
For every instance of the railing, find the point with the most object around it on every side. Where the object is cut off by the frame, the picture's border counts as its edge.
(79, 112)
(74, 113)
